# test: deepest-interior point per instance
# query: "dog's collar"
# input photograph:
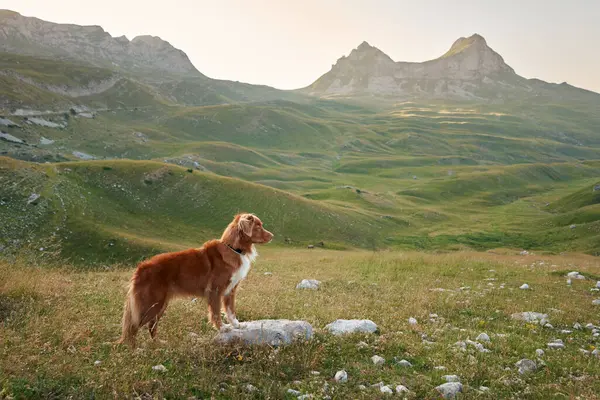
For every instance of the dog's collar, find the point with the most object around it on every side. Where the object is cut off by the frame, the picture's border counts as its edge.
(239, 251)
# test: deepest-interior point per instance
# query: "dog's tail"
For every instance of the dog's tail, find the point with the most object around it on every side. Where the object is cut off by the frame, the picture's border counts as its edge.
(131, 318)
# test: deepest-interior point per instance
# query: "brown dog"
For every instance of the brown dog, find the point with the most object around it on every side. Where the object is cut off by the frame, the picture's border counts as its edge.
(212, 271)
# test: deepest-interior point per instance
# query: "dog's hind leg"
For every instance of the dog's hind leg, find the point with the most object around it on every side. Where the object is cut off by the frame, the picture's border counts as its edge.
(153, 324)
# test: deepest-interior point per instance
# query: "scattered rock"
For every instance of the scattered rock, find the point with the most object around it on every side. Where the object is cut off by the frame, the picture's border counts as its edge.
(315, 373)
(362, 387)
(294, 392)
(440, 368)
(8, 123)
(556, 344)
(483, 337)
(45, 141)
(401, 389)
(539, 352)
(378, 360)
(596, 302)
(451, 378)
(569, 282)
(577, 326)
(575, 274)
(596, 188)
(344, 326)
(83, 156)
(310, 246)
(524, 286)
(268, 273)
(450, 390)
(530, 316)
(386, 390)
(43, 122)
(159, 368)
(33, 198)
(97, 363)
(250, 388)
(573, 226)
(10, 138)
(362, 345)
(484, 389)
(404, 363)
(305, 397)
(272, 332)
(341, 376)
(308, 284)
(524, 253)
(526, 366)
(412, 321)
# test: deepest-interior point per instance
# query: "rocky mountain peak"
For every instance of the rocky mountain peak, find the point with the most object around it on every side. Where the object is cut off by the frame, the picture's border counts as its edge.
(90, 44)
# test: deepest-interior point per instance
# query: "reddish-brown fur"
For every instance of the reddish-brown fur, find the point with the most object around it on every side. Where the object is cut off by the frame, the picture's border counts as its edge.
(205, 272)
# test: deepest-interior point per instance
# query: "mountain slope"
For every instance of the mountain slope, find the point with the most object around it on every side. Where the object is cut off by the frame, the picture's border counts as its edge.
(469, 70)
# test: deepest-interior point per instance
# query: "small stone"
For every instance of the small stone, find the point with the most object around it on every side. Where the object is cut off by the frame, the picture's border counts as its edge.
(405, 363)
(569, 282)
(484, 389)
(451, 378)
(461, 345)
(483, 337)
(312, 284)
(584, 352)
(159, 368)
(362, 387)
(596, 352)
(450, 390)
(400, 389)
(250, 388)
(268, 273)
(589, 326)
(539, 352)
(294, 392)
(524, 286)
(566, 331)
(598, 284)
(315, 373)
(377, 360)
(378, 385)
(577, 326)
(530, 316)
(344, 326)
(440, 368)
(97, 363)
(341, 376)
(362, 345)
(573, 226)
(596, 302)
(305, 397)
(386, 390)
(526, 366)
(556, 344)
(33, 198)
(412, 321)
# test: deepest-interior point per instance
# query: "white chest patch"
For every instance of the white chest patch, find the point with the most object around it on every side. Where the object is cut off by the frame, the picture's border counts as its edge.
(242, 271)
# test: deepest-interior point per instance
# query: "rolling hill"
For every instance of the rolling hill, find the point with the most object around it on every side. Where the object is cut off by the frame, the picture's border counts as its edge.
(457, 152)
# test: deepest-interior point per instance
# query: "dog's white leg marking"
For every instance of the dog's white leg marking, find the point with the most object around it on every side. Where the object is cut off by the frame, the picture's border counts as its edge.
(232, 319)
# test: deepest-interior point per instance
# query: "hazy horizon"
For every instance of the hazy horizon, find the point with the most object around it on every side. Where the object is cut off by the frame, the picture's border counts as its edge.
(289, 45)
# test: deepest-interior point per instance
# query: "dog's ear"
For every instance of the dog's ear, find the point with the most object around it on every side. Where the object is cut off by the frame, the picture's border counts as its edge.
(245, 224)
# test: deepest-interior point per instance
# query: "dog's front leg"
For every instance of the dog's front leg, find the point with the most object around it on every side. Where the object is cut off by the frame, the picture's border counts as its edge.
(229, 305)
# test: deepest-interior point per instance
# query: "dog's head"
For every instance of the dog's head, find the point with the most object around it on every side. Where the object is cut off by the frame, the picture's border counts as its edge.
(251, 228)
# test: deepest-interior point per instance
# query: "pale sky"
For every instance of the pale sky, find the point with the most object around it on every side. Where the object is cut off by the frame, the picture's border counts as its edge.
(289, 44)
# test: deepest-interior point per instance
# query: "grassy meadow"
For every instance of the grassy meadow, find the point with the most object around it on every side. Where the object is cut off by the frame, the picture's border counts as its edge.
(57, 321)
